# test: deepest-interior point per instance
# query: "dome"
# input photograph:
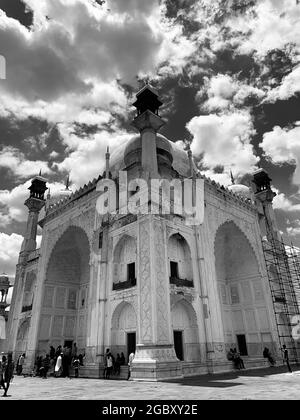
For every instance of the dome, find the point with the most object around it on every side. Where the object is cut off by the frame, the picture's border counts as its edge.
(240, 189)
(135, 143)
(168, 153)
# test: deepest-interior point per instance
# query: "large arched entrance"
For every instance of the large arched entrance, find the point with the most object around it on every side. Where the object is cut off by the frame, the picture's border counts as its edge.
(245, 316)
(64, 306)
(185, 331)
(123, 330)
(22, 336)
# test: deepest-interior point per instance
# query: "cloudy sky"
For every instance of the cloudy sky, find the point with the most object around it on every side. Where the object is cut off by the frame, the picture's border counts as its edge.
(227, 70)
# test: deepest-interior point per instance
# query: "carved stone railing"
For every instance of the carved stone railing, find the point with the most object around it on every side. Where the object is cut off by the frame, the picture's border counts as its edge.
(124, 284)
(26, 308)
(280, 298)
(181, 282)
(33, 255)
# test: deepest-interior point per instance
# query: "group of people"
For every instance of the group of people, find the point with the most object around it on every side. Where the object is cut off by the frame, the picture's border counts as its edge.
(59, 362)
(235, 357)
(113, 365)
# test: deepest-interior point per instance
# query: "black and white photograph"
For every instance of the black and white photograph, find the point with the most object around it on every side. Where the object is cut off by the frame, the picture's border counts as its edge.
(149, 203)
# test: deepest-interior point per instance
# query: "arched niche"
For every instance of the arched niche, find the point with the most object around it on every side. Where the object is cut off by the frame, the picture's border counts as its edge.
(123, 324)
(185, 329)
(180, 261)
(22, 336)
(244, 309)
(29, 286)
(124, 263)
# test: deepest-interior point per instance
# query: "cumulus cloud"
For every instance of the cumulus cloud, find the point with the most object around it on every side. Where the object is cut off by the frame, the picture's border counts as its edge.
(226, 92)
(224, 141)
(9, 251)
(87, 159)
(133, 6)
(12, 203)
(282, 145)
(281, 202)
(15, 161)
(294, 229)
(223, 178)
(289, 86)
(273, 25)
(12, 206)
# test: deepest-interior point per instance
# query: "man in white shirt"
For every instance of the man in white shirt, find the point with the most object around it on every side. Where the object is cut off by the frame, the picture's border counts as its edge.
(130, 360)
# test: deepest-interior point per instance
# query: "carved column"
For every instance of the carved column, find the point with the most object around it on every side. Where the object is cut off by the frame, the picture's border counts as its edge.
(155, 355)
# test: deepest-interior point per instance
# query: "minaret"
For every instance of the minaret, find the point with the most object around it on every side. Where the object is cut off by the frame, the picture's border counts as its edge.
(148, 122)
(66, 192)
(35, 203)
(190, 157)
(107, 158)
(264, 197)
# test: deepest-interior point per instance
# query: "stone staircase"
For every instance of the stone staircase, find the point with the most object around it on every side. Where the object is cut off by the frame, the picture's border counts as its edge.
(86, 372)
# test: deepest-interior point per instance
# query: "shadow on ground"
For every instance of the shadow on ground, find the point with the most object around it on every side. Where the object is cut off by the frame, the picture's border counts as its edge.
(217, 380)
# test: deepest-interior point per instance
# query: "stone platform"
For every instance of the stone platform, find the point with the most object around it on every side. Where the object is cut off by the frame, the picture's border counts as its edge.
(266, 384)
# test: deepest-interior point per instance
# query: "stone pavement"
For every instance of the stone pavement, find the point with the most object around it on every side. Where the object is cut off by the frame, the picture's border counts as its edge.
(266, 384)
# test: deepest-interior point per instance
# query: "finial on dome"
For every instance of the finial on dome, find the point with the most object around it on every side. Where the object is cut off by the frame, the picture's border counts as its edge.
(68, 182)
(40, 173)
(232, 177)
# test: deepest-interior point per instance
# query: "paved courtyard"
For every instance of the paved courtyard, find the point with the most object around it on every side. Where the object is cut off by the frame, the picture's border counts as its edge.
(266, 384)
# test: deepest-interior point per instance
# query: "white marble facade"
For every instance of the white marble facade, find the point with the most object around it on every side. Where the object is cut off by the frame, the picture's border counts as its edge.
(97, 281)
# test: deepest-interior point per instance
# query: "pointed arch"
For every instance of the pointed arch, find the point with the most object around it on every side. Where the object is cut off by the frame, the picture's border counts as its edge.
(184, 322)
(124, 262)
(179, 258)
(66, 285)
(241, 292)
(123, 321)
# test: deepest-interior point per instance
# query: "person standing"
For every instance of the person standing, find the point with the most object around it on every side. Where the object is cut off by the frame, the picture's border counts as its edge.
(109, 368)
(6, 373)
(286, 357)
(52, 353)
(46, 366)
(117, 365)
(74, 350)
(66, 362)
(58, 351)
(38, 364)
(58, 366)
(130, 360)
(76, 364)
(105, 363)
(21, 363)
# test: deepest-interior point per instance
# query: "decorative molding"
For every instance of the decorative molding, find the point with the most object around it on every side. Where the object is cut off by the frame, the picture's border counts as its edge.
(145, 282)
(161, 283)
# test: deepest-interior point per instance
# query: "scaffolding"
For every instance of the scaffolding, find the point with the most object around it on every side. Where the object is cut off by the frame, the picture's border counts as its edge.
(283, 268)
